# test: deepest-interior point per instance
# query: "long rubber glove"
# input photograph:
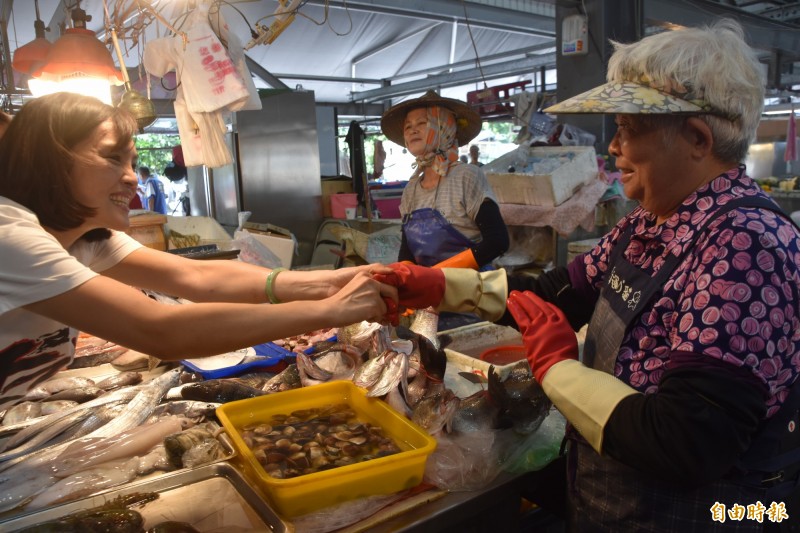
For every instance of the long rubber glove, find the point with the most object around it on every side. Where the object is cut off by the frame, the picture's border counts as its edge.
(586, 397)
(449, 289)
(465, 259)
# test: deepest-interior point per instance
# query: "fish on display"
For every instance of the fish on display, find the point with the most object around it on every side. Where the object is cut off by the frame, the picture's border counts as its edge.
(52, 386)
(522, 401)
(219, 390)
(426, 323)
(288, 379)
(435, 412)
(119, 380)
(476, 412)
(338, 362)
(194, 446)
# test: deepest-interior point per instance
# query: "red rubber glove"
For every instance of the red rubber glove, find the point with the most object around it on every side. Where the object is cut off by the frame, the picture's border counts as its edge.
(546, 333)
(418, 287)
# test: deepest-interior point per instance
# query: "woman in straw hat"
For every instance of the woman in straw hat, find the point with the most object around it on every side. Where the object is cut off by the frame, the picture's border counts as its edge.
(449, 210)
(683, 408)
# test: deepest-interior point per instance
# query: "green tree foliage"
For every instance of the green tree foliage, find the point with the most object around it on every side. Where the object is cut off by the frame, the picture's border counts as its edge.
(155, 150)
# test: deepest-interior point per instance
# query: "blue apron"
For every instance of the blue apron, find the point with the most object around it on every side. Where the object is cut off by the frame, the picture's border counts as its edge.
(607, 495)
(430, 237)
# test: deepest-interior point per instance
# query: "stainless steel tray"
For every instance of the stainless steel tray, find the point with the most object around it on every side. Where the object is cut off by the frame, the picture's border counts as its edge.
(214, 497)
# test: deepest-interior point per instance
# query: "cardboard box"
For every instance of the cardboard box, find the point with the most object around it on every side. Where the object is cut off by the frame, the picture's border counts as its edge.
(280, 241)
(207, 229)
(148, 229)
(331, 187)
(543, 175)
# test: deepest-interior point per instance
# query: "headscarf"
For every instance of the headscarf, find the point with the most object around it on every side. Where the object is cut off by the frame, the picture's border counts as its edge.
(441, 146)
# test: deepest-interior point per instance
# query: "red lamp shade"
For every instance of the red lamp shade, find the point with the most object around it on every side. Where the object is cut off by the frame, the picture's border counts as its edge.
(30, 55)
(78, 53)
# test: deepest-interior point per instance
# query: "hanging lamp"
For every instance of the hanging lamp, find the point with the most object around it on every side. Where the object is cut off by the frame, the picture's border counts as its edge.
(29, 56)
(77, 62)
(132, 101)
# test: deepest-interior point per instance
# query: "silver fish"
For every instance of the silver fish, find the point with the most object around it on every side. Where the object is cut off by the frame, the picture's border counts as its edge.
(394, 372)
(370, 372)
(57, 385)
(122, 379)
(22, 412)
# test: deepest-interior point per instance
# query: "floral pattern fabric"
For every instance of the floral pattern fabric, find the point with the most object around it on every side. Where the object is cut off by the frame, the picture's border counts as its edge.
(635, 99)
(441, 147)
(735, 297)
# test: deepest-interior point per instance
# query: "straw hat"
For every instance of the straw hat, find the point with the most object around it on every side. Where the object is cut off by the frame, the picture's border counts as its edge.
(468, 121)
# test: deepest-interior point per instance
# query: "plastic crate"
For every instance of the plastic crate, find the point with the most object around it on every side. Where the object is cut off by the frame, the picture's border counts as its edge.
(311, 492)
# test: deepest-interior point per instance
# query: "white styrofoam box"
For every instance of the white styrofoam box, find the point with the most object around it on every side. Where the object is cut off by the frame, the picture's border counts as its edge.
(283, 247)
(463, 353)
(207, 228)
(543, 175)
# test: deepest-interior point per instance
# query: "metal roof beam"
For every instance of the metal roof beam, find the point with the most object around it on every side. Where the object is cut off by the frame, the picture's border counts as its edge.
(482, 16)
(761, 32)
(453, 79)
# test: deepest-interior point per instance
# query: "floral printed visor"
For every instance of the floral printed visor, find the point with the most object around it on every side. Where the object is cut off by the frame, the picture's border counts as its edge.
(633, 98)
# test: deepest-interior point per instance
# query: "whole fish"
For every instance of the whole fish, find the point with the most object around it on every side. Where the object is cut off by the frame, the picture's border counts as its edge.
(288, 379)
(22, 412)
(100, 357)
(119, 380)
(192, 409)
(219, 390)
(521, 399)
(80, 394)
(43, 437)
(53, 386)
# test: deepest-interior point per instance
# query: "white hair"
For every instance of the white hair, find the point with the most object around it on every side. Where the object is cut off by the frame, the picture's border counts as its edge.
(713, 63)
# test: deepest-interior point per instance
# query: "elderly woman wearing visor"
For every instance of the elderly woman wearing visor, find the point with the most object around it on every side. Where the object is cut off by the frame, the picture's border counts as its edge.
(683, 406)
(449, 210)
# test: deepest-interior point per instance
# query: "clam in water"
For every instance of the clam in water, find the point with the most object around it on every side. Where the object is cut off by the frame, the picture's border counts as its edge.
(312, 440)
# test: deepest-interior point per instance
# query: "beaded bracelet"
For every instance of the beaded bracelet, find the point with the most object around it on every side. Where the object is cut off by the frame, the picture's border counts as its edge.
(270, 282)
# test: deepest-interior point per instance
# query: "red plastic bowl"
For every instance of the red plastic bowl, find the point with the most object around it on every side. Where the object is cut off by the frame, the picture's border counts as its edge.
(504, 355)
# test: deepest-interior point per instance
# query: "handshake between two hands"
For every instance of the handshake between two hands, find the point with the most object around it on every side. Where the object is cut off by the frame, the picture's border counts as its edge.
(546, 333)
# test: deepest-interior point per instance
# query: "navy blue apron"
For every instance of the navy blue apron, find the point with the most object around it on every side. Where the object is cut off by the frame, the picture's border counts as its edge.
(606, 495)
(430, 237)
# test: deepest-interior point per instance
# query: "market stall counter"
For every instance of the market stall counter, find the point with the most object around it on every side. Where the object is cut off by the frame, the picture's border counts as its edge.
(72, 483)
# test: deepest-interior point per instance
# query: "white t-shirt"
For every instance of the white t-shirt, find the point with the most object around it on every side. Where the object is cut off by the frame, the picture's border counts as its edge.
(36, 267)
(458, 197)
